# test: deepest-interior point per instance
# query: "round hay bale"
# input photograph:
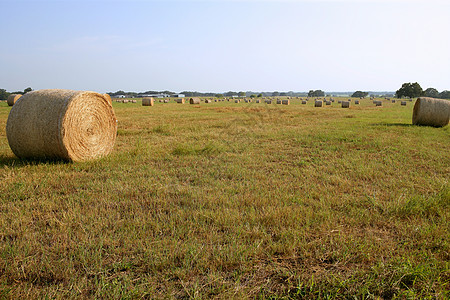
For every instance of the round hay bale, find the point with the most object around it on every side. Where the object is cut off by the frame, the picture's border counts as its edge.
(208, 101)
(125, 101)
(13, 98)
(180, 100)
(403, 103)
(166, 100)
(194, 100)
(278, 101)
(356, 101)
(303, 101)
(318, 103)
(62, 124)
(285, 102)
(431, 112)
(258, 101)
(327, 102)
(268, 101)
(393, 100)
(108, 98)
(147, 101)
(345, 104)
(378, 103)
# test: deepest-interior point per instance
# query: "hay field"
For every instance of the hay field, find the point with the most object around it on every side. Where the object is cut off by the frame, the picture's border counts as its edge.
(235, 200)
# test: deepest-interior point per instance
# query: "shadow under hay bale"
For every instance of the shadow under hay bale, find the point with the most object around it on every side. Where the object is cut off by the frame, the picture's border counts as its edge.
(431, 112)
(61, 124)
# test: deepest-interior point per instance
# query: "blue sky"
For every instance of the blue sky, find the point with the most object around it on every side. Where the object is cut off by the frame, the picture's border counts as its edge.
(223, 45)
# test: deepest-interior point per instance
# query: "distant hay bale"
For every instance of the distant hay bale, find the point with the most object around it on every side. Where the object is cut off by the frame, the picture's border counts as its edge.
(125, 101)
(378, 103)
(133, 101)
(179, 100)
(62, 124)
(318, 103)
(278, 101)
(166, 100)
(13, 98)
(236, 101)
(194, 100)
(345, 104)
(257, 101)
(431, 112)
(147, 101)
(285, 102)
(303, 101)
(208, 101)
(327, 102)
(356, 101)
(403, 103)
(268, 101)
(339, 101)
(393, 100)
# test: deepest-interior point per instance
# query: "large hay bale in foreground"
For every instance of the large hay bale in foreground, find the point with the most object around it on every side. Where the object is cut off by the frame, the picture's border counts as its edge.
(108, 97)
(148, 101)
(194, 100)
(431, 112)
(62, 124)
(13, 98)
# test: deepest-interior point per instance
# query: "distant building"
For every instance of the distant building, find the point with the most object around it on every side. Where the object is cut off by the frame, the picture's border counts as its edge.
(178, 96)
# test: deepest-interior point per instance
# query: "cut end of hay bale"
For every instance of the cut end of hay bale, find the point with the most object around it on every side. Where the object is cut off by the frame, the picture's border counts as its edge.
(147, 101)
(13, 98)
(194, 100)
(431, 112)
(62, 124)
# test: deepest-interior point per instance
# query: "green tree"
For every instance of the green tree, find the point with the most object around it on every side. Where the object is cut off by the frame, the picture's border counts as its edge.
(444, 94)
(431, 92)
(316, 93)
(28, 89)
(411, 90)
(241, 94)
(275, 94)
(4, 94)
(360, 94)
(252, 96)
(259, 95)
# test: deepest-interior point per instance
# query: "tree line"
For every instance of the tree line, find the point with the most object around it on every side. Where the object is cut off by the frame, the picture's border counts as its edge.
(414, 90)
(4, 94)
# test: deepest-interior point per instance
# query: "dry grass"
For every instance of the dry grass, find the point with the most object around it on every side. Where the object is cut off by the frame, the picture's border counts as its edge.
(235, 201)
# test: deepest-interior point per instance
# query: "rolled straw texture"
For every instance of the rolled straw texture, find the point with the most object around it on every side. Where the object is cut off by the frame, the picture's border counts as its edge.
(431, 112)
(108, 97)
(194, 100)
(147, 101)
(62, 124)
(13, 98)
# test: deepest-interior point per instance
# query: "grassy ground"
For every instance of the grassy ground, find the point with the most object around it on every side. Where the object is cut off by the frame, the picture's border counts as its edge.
(233, 201)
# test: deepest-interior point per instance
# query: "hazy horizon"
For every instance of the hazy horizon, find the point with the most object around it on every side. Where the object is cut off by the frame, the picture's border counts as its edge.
(224, 45)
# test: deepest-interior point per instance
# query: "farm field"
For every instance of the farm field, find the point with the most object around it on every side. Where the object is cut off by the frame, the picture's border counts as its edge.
(235, 200)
